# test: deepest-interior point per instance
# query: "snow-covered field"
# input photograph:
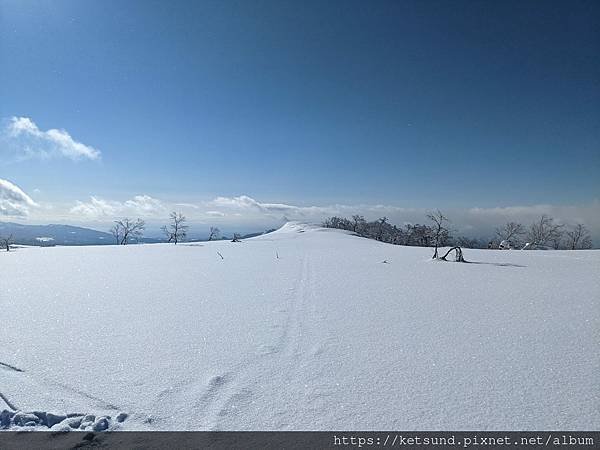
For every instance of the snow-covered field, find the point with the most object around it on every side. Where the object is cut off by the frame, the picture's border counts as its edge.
(325, 336)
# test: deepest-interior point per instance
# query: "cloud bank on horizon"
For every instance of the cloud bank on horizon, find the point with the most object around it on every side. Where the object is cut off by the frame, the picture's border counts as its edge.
(246, 212)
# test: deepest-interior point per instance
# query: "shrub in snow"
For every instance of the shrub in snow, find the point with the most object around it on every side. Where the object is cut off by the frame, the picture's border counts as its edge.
(504, 245)
(458, 254)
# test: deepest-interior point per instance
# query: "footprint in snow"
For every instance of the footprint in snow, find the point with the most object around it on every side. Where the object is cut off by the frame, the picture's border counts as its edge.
(268, 349)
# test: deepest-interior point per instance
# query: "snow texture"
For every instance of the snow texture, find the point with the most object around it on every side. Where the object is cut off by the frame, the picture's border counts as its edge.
(300, 329)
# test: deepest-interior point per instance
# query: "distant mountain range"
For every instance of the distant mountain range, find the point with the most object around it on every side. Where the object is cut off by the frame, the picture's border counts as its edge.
(49, 235)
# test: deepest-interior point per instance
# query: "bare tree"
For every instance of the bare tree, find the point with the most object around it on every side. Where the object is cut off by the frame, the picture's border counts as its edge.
(420, 235)
(237, 237)
(407, 234)
(6, 242)
(511, 232)
(440, 232)
(557, 240)
(381, 225)
(358, 224)
(578, 237)
(214, 233)
(127, 229)
(116, 232)
(177, 229)
(545, 231)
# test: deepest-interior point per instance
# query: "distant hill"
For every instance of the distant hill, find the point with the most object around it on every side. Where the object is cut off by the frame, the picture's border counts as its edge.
(54, 234)
(49, 235)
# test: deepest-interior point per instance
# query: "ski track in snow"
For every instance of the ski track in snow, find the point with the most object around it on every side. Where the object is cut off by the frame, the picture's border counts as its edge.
(224, 394)
(61, 389)
(227, 394)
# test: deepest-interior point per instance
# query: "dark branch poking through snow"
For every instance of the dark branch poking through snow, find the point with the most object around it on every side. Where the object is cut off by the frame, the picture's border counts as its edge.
(8, 366)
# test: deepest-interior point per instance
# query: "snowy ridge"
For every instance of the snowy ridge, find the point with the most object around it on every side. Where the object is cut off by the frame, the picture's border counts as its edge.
(300, 329)
(290, 229)
(295, 227)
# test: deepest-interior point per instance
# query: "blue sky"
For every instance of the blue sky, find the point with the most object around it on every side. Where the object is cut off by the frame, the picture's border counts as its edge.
(412, 105)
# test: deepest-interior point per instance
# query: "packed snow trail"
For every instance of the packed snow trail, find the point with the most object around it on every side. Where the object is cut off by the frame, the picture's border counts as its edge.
(303, 329)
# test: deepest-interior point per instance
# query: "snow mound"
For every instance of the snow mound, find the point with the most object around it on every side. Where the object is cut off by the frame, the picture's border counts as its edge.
(294, 229)
(291, 228)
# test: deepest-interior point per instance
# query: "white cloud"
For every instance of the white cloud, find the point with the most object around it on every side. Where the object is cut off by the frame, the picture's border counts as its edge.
(248, 204)
(243, 201)
(13, 201)
(31, 142)
(97, 208)
(144, 205)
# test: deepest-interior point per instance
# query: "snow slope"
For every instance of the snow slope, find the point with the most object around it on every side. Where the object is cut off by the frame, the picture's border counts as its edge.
(325, 336)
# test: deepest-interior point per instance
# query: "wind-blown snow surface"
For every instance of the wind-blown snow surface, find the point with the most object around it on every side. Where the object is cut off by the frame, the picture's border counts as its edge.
(326, 336)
